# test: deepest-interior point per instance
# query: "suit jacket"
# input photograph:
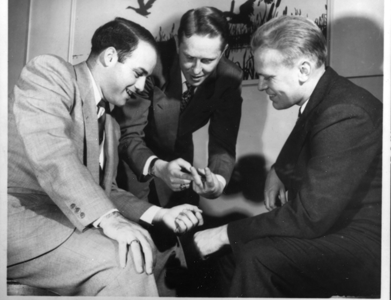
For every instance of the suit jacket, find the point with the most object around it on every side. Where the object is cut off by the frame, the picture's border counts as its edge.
(331, 167)
(53, 158)
(156, 127)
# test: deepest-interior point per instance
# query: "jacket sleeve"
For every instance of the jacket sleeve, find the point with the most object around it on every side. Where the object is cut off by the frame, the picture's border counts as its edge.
(224, 128)
(44, 99)
(343, 144)
(132, 119)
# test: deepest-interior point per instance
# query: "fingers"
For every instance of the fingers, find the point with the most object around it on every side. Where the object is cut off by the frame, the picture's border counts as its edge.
(270, 200)
(208, 176)
(188, 218)
(283, 197)
(122, 253)
(196, 177)
(149, 257)
(137, 256)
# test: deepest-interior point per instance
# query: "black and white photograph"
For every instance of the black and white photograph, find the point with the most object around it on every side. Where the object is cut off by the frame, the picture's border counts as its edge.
(195, 148)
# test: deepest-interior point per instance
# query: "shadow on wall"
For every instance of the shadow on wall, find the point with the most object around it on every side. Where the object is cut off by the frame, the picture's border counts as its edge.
(248, 178)
(357, 46)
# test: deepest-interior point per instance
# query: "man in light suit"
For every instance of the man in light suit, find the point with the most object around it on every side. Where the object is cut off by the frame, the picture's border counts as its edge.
(192, 84)
(322, 234)
(71, 230)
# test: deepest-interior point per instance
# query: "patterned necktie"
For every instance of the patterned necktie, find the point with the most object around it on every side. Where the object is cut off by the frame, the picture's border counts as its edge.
(186, 96)
(102, 119)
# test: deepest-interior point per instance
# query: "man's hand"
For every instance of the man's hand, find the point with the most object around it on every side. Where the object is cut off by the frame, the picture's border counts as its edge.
(125, 232)
(211, 240)
(274, 188)
(206, 183)
(171, 174)
(181, 218)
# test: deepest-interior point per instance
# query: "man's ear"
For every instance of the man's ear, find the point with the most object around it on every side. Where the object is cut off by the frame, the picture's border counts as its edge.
(108, 57)
(305, 69)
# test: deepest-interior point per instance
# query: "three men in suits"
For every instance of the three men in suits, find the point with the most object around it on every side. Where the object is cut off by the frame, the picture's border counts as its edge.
(322, 234)
(71, 230)
(192, 84)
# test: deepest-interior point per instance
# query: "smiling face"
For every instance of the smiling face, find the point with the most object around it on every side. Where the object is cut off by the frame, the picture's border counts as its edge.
(122, 79)
(198, 57)
(279, 81)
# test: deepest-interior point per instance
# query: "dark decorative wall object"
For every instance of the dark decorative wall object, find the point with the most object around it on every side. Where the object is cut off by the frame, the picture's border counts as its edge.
(251, 15)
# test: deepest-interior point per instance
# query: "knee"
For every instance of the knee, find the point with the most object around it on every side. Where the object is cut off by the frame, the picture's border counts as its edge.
(261, 254)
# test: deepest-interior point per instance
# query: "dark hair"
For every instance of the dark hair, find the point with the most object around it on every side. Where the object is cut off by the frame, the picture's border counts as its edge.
(204, 21)
(121, 34)
(293, 36)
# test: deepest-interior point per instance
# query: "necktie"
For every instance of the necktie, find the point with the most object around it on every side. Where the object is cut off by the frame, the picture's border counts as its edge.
(186, 96)
(101, 125)
(102, 119)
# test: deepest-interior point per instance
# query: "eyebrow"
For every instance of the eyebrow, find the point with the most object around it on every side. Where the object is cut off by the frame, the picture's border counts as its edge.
(142, 71)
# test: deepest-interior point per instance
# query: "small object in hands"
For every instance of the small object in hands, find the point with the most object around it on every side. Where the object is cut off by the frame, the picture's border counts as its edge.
(203, 177)
(183, 186)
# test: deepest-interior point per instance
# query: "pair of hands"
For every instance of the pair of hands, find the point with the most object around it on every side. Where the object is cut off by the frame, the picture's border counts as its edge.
(179, 175)
(135, 239)
(211, 240)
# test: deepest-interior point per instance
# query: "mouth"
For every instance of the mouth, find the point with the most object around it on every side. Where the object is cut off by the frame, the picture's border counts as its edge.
(129, 92)
(197, 78)
(271, 96)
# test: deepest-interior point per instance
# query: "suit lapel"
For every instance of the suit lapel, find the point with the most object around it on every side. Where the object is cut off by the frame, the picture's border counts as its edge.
(90, 119)
(290, 152)
(111, 157)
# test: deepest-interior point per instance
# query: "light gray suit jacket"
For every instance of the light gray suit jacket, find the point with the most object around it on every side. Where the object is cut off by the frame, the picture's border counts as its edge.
(53, 159)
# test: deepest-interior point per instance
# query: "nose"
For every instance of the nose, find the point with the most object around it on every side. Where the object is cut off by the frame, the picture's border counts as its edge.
(262, 84)
(140, 83)
(197, 67)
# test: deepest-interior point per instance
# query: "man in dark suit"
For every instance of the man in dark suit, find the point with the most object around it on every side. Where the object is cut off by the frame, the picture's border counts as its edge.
(322, 234)
(71, 230)
(192, 84)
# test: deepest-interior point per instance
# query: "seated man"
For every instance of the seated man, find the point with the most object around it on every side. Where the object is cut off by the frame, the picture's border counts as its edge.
(70, 229)
(192, 84)
(322, 234)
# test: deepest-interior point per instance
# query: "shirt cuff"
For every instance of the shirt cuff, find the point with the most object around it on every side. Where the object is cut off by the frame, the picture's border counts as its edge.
(149, 214)
(222, 180)
(147, 163)
(97, 222)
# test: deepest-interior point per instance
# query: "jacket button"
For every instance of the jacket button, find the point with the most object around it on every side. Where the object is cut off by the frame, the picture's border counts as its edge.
(77, 210)
(82, 215)
(73, 205)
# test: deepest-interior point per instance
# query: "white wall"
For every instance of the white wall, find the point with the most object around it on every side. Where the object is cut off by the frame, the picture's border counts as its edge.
(17, 38)
(357, 42)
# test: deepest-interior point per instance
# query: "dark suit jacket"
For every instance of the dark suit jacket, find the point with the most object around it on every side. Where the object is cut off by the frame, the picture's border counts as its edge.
(331, 166)
(53, 159)
(168, 134)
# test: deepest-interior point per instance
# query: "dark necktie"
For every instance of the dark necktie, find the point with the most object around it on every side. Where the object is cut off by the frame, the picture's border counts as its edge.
(101, 125)
(186, 96)
(102, 119)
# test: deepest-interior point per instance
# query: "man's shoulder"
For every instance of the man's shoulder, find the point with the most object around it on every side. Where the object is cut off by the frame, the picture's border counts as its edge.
(49, 60)
(228, 70)
(50, 64)
(345, 92)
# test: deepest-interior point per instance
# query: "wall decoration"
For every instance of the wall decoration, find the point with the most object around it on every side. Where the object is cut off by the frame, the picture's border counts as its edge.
(162, 18)
(143, 7)
(251, 15)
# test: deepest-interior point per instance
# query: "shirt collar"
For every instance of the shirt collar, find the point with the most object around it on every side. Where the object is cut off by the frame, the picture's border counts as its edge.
(97, 94)
(184, 85)
(302, 108)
